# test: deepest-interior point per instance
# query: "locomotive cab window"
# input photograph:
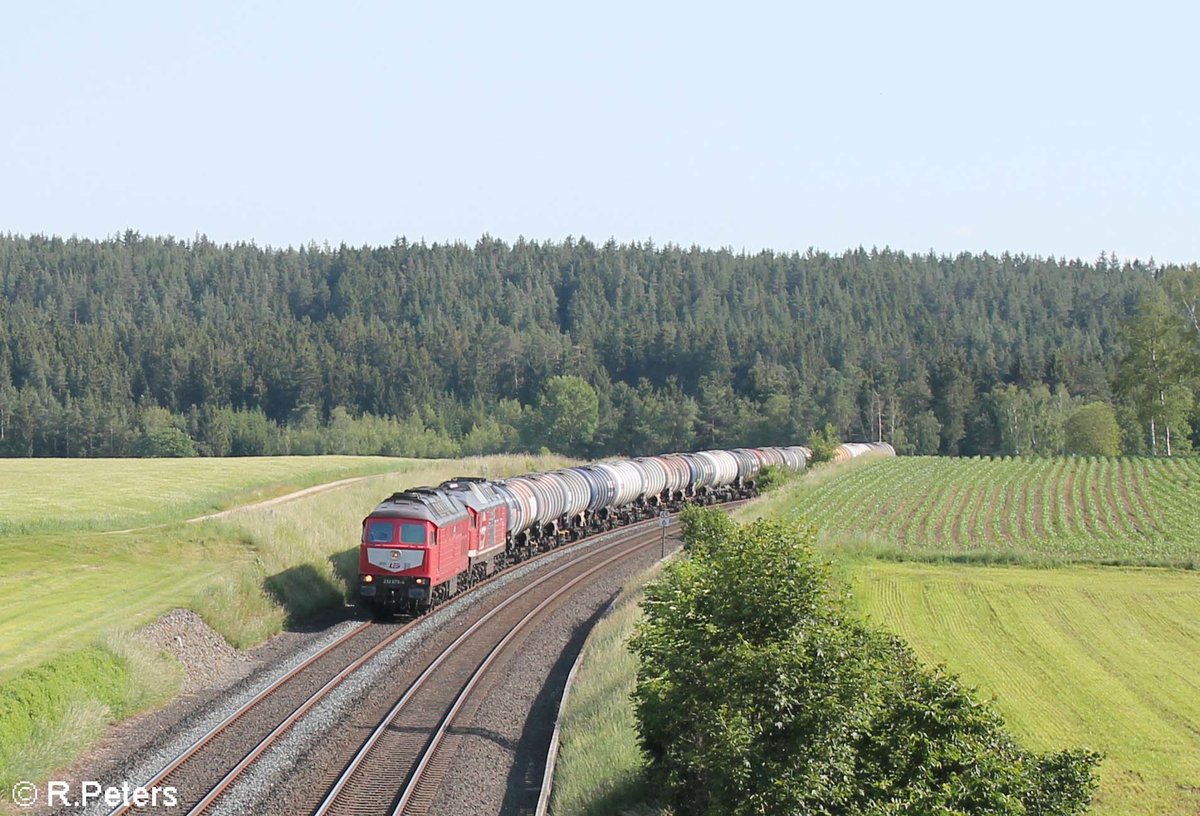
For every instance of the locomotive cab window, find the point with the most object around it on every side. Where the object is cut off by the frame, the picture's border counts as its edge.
(380, 532)
(412, 533)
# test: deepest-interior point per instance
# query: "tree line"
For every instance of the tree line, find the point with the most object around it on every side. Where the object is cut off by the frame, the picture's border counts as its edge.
(138, 345)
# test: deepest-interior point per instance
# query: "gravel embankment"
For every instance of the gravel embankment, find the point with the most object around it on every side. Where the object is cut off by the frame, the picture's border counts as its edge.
(137, 748)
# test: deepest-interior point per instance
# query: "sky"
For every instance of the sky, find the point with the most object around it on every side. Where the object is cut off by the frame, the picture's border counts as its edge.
(1046, 128)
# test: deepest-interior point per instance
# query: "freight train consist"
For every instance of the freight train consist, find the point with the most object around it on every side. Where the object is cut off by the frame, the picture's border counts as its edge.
(426, 544)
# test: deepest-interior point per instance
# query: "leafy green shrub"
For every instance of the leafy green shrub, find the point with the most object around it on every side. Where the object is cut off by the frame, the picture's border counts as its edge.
(823, 444)
(772, 477)
(1093, 431)
(759, 694)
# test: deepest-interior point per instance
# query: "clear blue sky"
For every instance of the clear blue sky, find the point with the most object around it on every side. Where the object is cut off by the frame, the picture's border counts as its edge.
(1045, 127)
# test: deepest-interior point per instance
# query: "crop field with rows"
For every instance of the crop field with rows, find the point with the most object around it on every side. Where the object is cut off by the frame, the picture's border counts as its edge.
(1087, 509)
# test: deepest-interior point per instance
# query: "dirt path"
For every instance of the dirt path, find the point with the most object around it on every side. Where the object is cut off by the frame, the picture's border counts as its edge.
(308, 491)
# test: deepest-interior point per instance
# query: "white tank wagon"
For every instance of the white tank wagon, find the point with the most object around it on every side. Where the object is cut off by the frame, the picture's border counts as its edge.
(704, 472)
(852, 450)
(579, 498)
(795, 457)
(602, 487)
(679, 476)
(654, 480)
(882, 449)
(522, 508)
(629, 485)
(750, 462)
(720, 471)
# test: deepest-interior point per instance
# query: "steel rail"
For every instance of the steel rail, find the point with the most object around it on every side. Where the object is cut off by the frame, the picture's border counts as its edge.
(178, 761)
(264, 744)
(417, 776)
(633, 543)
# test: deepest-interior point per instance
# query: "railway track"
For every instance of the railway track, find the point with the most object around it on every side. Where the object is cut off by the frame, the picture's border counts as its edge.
(212, 764)
(412, 742)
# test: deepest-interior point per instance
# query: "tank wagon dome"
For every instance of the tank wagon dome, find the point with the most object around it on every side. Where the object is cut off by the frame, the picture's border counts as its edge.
(425, 503)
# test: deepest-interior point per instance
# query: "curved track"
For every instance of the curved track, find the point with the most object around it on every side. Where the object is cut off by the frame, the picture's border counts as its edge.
(410, 742)
(212, 764)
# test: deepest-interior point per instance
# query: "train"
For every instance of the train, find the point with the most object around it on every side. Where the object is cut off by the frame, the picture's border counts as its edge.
(423, 545)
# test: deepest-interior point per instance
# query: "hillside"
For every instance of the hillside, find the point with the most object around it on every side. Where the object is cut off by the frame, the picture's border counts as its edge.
(685, 348)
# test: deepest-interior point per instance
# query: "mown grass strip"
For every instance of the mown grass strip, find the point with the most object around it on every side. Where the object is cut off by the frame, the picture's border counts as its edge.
(1100, 657)
(599, 760)
(247, 574)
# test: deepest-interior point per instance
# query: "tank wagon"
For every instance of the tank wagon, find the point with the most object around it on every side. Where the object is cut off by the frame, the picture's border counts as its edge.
(423, 545)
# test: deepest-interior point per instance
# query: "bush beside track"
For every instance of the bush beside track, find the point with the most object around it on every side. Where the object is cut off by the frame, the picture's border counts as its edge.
(1077, 655)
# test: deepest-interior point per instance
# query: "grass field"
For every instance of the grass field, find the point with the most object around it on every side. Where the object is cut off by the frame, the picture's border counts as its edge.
(1108, 658)
(38, 495)
(61, 588)
(70, 591)
(1073, 655)
(599, 762)
(1085, 509)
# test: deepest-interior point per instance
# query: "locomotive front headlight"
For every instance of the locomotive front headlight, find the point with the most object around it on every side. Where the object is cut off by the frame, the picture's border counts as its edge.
(421, 581)
(367, 579)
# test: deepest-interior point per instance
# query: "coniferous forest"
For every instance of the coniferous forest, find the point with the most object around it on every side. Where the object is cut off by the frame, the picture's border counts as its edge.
(154, 346)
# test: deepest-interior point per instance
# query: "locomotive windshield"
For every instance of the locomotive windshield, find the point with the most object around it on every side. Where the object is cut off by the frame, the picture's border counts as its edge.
(412, 533)
(380, 532)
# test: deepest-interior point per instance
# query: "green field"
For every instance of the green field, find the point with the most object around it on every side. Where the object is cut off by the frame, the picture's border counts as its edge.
(1096, 656)
(1073, 655)
(72, 589)
(112, 494)
(599, 760)
(1087, 509)
(1107, 658)
(61, 588)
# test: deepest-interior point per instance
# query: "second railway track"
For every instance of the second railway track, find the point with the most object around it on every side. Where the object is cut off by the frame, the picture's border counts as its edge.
(223, 755)
(400, 766)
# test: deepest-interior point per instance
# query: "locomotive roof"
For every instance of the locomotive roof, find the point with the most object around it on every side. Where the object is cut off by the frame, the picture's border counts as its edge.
(474, 492)
(428, 503)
